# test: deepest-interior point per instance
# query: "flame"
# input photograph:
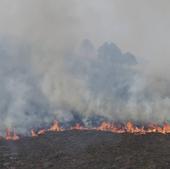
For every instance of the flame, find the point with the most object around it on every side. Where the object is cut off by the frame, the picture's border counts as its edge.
(78, 127)
(15, 136)
(33, 133)
(106, 126)
(166, 128)
(129, 127)
(42, 131)
(55, 127)
(10, 135)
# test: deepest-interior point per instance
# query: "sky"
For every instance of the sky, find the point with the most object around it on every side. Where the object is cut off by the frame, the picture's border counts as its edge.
(138, 26)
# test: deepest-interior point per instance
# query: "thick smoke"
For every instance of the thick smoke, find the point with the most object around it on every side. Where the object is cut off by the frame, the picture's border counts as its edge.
(92, 82)
(48, 72)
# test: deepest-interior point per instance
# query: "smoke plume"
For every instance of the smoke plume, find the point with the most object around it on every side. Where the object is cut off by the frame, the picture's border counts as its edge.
(48, 71)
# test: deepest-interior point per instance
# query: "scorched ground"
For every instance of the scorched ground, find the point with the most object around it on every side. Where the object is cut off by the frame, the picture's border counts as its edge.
(78, 149)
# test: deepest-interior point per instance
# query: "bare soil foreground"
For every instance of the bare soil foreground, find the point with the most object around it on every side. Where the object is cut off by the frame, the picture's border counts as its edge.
(87, 150)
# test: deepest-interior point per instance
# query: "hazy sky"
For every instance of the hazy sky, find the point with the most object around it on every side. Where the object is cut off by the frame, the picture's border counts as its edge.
(139, 26)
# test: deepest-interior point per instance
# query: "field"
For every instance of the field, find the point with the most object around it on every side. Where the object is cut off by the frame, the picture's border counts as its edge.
(87, 150)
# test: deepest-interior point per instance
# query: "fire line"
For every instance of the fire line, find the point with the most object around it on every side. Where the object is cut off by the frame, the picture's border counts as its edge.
(129, 127)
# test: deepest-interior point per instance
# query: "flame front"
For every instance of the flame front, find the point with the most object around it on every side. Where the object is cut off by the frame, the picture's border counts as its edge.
(129, 127)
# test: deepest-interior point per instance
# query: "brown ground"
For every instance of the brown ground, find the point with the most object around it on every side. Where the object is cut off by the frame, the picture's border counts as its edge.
(87, 150)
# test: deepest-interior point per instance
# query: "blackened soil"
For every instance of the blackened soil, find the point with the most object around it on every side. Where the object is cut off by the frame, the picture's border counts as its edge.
(87, 150)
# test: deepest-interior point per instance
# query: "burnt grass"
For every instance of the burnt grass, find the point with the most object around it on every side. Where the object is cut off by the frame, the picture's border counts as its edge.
(87, 150)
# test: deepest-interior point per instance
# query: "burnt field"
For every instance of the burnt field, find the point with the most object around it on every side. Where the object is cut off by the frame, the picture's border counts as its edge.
(87, 150)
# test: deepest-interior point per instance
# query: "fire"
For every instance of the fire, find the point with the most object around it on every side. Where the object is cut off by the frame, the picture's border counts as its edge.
(166, 128)
(129, 127)
(15, 136)
(55, 127)
(42, 131)
(10, 135)
(106, 126)
(33, 133)
(78, 127)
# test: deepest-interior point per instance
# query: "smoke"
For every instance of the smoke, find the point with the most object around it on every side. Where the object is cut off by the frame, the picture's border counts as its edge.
(48, 72)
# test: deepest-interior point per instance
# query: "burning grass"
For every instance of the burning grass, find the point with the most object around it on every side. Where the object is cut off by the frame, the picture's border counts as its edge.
(128, 127)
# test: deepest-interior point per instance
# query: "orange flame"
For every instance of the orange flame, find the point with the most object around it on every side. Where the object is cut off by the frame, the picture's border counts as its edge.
(55, 127)
(10, 135)
(33, 133)
(129, 127)
(42, 131)
(78, 127)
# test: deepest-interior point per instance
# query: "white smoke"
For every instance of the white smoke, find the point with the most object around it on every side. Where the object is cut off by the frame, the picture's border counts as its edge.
(45, 75)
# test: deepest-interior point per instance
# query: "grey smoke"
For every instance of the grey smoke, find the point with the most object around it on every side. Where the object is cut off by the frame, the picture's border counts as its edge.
(46, 72)
(103, 81)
